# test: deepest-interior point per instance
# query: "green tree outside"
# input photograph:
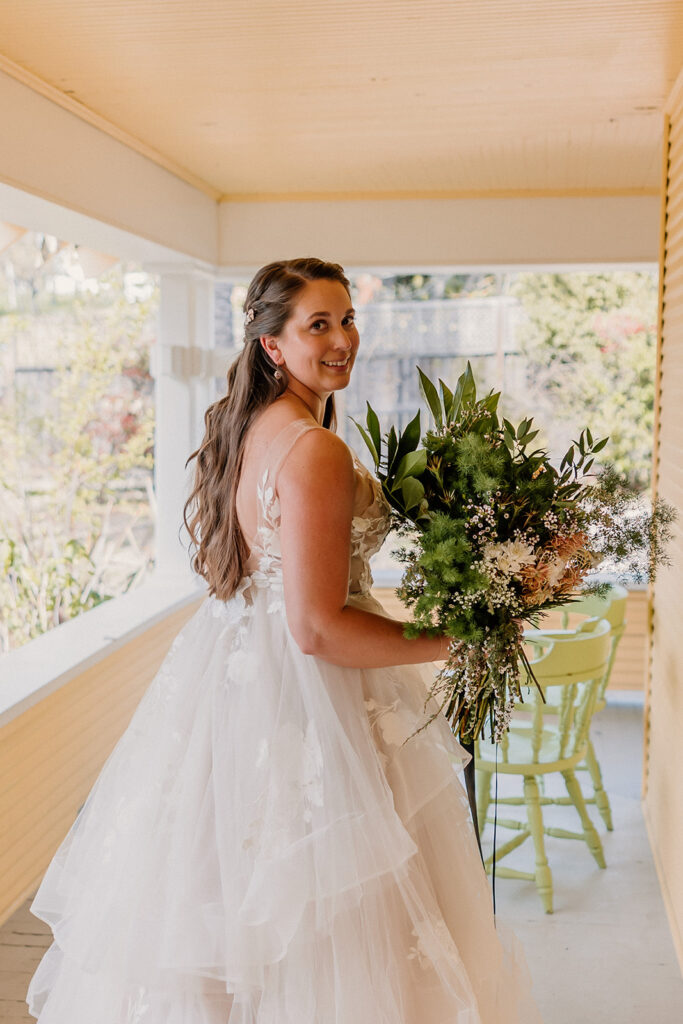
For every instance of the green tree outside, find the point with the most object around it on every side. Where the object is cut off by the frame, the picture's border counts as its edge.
(589, 341)
(77, 422)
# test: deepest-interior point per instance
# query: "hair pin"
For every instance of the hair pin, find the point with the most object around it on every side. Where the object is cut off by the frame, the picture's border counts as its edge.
(250, 315)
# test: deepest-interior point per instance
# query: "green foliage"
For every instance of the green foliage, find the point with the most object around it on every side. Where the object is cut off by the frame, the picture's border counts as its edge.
(76, 482)
(589, 341)
(498, 534)
(39, 593)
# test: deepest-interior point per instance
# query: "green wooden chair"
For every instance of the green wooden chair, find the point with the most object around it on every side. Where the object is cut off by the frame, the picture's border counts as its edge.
(613, 608)
(548, 737)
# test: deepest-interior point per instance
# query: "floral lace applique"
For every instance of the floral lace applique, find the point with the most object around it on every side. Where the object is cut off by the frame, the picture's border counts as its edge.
(267, 548)
(395, 721)
(292, 764)
(137, 1005)
(368, 531)
(235, 614)
(434, 943)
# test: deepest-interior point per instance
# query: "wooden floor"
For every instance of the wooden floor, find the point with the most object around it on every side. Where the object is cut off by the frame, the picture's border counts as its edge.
(23, 940)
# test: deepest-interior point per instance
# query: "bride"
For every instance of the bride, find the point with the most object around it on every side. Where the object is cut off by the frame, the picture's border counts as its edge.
(260, 847)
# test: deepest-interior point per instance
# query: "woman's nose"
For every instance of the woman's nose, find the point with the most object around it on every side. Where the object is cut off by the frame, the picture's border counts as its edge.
(342, 339)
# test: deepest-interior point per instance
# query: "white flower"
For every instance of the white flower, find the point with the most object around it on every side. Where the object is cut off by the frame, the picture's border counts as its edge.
(555, 571)
(509, 556)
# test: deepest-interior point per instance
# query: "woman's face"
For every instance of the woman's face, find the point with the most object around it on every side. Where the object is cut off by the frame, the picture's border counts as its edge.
(319, 342)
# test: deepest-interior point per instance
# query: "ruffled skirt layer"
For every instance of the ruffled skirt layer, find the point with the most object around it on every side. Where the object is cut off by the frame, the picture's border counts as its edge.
(260, 848)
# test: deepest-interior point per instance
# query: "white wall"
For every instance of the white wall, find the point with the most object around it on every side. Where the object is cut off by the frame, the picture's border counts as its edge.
(442, 232)
(53, 154)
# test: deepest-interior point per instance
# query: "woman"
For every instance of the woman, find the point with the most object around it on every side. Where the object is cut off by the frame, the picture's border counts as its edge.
(260, 847)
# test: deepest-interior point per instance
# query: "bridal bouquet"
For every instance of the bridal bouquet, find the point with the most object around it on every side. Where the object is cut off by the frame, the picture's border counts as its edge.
(496, 536)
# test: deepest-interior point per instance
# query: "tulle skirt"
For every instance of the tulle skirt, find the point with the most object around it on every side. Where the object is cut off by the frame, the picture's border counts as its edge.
(260, 848)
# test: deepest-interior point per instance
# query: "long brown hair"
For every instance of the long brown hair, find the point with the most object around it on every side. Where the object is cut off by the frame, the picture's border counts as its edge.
(210, 514)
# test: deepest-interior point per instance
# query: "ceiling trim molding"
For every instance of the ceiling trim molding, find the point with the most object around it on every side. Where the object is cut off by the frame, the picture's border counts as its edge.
(77, 108)
(551, 193)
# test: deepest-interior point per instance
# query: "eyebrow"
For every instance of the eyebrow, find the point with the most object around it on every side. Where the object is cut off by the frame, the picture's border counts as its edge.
(325, 313)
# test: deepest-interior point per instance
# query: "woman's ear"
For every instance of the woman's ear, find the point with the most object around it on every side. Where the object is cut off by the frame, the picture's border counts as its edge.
(271, 347)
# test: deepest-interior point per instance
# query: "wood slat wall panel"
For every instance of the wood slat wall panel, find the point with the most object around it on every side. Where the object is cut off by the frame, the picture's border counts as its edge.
(663, 779)
(674, 221)
(674, 292)
(674, 255)
(51, 754)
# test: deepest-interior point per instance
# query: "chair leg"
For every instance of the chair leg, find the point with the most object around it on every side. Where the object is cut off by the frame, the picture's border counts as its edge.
(483, 798)
(601, 798)
(589, 833)
(544, 878)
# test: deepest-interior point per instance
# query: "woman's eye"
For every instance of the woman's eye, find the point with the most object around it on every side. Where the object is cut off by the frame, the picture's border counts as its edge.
(350, 319)
(318, 324)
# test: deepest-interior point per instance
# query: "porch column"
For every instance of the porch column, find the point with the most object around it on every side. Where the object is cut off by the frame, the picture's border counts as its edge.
(182, 367)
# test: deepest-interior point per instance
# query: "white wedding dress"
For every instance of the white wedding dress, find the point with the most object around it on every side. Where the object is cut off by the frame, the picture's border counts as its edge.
(260, 849)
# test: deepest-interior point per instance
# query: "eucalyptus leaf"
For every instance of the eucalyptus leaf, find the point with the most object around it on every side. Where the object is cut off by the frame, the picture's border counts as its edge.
(431, 397)
(392, 445)
(412, 491)
(491, 401)
(469, 389)
(447, 399)
(456, 401)
(373, 428)
(369, 442)
(410, 438)
(412, 464)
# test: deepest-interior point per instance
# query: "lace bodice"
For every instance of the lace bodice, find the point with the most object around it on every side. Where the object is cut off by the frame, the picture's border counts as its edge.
(369, 525)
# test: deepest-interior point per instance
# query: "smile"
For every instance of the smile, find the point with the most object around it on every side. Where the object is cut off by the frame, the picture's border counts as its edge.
(341, 362)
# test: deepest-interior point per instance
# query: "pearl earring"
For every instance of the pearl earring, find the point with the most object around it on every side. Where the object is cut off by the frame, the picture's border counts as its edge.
(278, 374)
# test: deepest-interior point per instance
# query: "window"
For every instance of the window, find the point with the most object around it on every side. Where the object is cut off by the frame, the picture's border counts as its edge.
(77, 421)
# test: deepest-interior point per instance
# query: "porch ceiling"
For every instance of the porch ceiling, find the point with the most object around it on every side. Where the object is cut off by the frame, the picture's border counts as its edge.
(265, 98)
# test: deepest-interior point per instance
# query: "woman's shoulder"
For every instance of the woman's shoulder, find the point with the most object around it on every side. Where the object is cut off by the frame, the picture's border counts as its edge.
(282, 419)
(276, 417)
(296, 444)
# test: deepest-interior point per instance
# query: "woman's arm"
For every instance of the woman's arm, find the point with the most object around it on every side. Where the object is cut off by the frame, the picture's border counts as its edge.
(316, 490)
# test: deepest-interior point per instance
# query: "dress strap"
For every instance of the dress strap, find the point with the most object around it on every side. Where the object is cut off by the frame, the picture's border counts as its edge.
(282, 444)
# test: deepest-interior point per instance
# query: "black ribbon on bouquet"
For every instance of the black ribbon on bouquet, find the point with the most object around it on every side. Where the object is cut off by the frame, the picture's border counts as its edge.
(470, 785)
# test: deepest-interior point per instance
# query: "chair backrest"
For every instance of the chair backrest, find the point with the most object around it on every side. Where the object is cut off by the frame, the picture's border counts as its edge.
(613, 608)
(569, 667)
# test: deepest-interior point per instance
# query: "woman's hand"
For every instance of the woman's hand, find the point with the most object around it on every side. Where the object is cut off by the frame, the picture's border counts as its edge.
(316, 486)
